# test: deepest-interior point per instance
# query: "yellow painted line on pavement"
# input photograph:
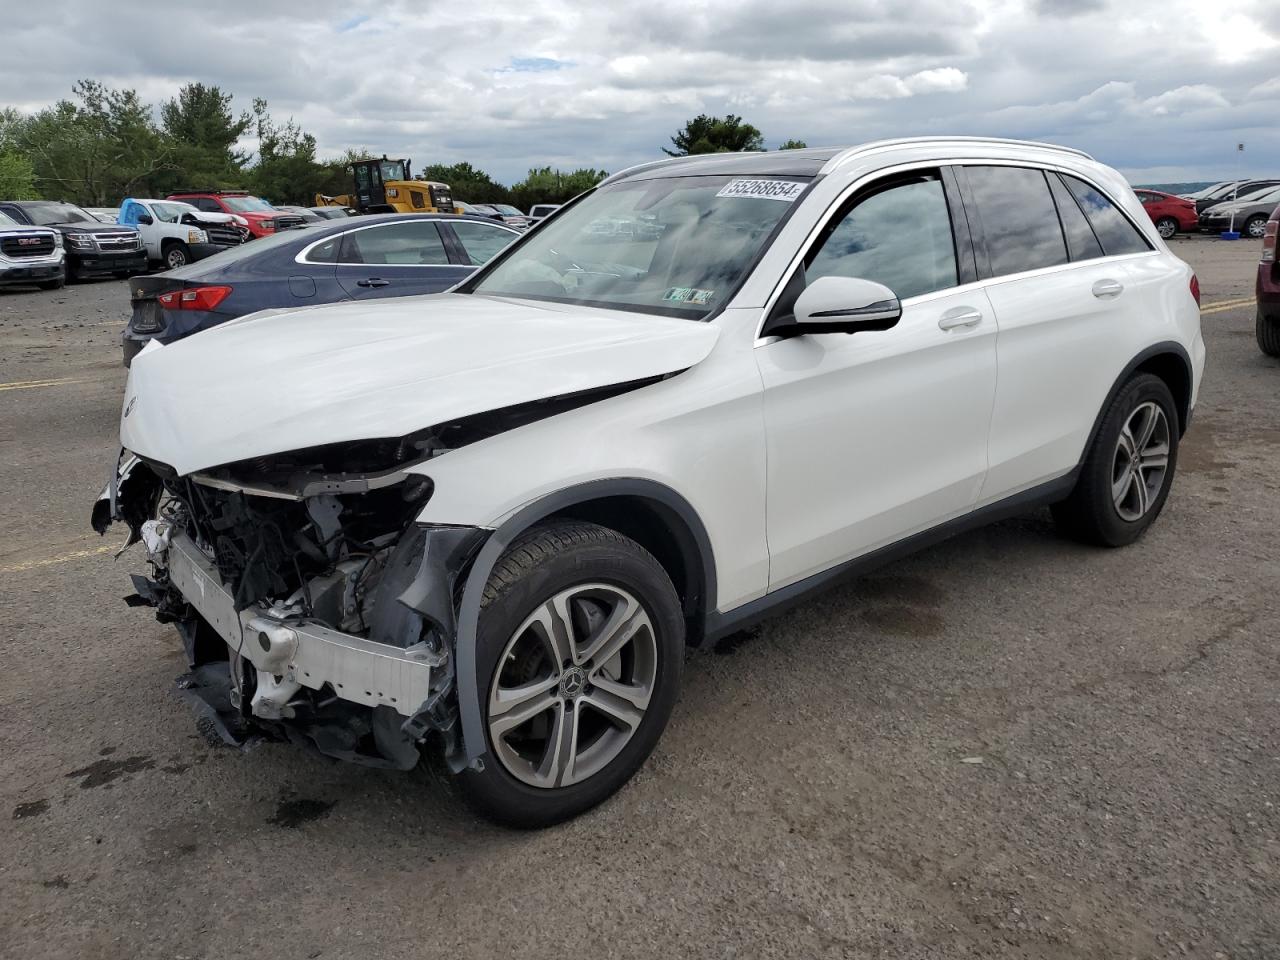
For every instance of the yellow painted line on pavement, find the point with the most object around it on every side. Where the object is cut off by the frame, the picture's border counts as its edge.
(63, 558)
(1226, 305)
(33, 384)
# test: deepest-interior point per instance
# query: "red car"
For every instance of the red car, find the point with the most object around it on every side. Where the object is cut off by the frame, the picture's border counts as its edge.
(1267, 323)
(1169, 213)
(262, 219)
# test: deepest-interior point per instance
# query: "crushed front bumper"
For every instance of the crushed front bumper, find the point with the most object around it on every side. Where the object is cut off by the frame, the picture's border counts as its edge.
(292, 655)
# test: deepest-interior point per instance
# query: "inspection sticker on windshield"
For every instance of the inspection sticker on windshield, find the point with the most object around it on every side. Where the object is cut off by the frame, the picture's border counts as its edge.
(688, 295)
(786, 190)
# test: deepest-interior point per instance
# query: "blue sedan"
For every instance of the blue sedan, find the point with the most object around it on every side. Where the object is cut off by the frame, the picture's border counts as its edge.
(390, 255)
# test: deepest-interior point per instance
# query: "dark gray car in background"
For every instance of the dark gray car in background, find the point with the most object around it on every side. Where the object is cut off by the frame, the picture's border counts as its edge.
(357, 258)
(1248, 215)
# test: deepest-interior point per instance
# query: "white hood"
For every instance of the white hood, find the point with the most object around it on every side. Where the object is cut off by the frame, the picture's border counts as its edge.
(270, 383)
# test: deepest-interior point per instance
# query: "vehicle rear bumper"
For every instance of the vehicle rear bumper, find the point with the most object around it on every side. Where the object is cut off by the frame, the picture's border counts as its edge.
(1267, 290)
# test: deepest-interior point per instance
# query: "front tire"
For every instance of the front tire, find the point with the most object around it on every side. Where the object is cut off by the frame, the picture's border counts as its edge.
(1128, 470)
(176, 255)
(57, 284)
(1267, 330)
(578, 656)
(1167, 227)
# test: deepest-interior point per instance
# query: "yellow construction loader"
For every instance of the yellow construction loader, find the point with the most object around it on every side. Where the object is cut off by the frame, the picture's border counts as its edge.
(385, 186)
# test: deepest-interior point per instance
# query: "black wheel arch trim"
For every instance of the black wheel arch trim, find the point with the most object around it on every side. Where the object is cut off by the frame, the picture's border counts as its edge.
(469, 709)
(1155, 350)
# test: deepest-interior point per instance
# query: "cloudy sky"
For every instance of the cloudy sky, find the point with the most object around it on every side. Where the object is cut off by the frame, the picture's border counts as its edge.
(1163, 90)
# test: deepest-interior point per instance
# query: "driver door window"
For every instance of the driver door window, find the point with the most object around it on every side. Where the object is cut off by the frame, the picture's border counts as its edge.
(899, 236)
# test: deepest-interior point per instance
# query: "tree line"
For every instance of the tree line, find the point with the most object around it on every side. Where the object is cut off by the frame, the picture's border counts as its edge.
(104, 144)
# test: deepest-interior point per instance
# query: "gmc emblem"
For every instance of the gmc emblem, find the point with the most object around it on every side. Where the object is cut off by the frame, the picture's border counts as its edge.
(28, 241)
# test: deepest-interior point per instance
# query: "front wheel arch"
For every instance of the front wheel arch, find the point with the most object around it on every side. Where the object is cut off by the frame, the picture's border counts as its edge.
(596, 498)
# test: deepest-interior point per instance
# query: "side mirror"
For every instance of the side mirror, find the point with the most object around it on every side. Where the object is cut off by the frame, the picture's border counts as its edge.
(146, 218)
(840, 305)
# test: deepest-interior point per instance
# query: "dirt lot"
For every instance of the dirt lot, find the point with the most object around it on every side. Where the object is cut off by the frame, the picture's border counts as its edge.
(1007, 746)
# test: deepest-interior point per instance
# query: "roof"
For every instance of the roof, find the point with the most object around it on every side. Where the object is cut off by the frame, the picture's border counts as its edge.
(807, 162)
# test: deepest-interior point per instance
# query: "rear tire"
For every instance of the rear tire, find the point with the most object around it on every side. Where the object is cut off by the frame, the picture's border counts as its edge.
(1167, 227)
(1267, 330)
(1128, 470)
(599, 710)
(1255, 228)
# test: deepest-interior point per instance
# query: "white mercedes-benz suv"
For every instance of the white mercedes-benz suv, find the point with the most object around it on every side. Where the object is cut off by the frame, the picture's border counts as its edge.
(487, 522)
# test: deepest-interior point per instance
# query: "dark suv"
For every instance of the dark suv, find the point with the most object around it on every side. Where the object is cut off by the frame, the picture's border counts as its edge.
(93, 248)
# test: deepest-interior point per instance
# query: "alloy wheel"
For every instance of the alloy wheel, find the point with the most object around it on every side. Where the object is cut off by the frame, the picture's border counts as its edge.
(1141, 461)
(1257, 228)
(572, 685)
(1167, 228)
(176, 258)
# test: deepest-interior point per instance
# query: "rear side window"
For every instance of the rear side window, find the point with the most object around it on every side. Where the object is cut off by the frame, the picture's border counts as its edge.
(1081, 241)
(1019, 221)
(326, 252)
(407, 243)
(1116, 234)
(899, 235)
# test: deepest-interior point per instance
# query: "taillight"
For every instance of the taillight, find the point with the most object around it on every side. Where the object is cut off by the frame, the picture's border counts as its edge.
(1269, 242)
(1195, 289)
(197, 298)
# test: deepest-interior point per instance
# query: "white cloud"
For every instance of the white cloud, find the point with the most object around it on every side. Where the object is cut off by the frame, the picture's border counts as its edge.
(1143, 84)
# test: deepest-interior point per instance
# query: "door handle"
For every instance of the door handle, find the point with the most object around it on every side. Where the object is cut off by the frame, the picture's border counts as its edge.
(1108, 289)
(373, 282)
(960, 317)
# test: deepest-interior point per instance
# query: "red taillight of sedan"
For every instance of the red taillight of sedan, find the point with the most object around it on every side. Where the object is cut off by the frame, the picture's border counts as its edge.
(1269, 242)
(196, 298)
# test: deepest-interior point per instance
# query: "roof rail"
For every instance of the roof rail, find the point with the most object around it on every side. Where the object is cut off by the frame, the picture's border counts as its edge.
(649, 165)
(840, 159)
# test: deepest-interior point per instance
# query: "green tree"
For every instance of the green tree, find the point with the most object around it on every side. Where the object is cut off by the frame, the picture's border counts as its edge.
(286, 170)
(17, 178)
(467, 183)
(96, 151)
(704, 134)
(204, 132)
(793, 145)
(544, 185)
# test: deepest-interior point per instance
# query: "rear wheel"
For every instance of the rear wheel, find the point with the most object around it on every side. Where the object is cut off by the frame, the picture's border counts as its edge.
(1256, 227)
(1167, 227)
(1128, 470)
(578, 658)
(1267, 330)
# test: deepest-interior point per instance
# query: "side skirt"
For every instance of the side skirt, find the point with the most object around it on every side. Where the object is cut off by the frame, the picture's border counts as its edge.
(722, 623)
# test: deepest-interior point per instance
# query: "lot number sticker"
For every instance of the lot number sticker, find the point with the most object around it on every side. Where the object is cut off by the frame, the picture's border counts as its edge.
(785, 190)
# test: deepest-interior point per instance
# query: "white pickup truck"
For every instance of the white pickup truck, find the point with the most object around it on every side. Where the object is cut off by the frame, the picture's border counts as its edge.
(176, 233)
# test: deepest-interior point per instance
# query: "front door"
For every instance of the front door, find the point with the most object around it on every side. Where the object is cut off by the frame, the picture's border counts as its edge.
(396, 259)
(875, 436)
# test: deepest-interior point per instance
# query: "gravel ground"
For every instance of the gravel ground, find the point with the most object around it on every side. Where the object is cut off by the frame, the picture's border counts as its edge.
(1006, 746)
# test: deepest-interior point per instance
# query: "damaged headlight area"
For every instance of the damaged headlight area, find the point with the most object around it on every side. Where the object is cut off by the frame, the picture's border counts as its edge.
(312, 607)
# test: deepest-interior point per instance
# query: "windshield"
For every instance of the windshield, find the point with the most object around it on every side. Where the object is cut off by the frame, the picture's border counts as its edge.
(47, 213)
(170, 211)
(246, 204)
(7, 221)
(1250, 192)
(506, 208)
(677, 246)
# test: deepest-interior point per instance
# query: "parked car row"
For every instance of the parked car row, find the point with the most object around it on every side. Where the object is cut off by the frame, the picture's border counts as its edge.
(93, 248)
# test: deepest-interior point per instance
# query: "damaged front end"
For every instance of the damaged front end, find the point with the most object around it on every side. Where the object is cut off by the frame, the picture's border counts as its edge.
(312, 607)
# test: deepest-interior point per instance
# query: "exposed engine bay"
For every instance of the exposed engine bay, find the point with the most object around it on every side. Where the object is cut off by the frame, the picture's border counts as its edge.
(311, 606)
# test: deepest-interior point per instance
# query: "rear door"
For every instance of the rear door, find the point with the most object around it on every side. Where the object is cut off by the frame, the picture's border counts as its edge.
(396, 259)
(475, 243)
(1066, 268)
